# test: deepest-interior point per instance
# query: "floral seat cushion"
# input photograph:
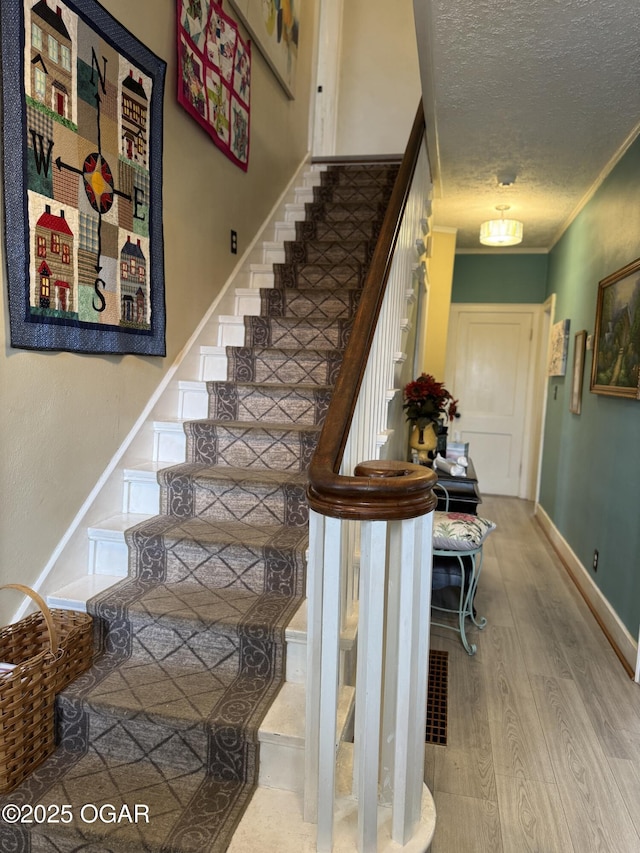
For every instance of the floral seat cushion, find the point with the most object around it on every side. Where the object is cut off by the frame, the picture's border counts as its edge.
(459, 531)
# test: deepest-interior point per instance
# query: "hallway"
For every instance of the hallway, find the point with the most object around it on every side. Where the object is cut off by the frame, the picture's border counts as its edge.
(543, 749)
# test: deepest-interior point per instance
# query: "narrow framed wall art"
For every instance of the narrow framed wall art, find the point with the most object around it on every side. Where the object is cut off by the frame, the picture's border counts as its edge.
(82, 157)
(579, 347)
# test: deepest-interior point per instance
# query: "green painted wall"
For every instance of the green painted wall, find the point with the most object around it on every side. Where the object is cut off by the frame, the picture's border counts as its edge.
(591, 467)
(590, 485)
(500, 278)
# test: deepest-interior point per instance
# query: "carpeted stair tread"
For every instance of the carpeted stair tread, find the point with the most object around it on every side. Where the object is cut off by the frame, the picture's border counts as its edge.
(251, 444)
(200, 631)
(353, 193)
(345, 175)
(209, 533)
(190, 603)
(188, 811)
(342, 211)
(263, 426)
(166, 549)
(346, 231)
(268, 402)
(327, 251)
(151, 693)
(309, 276)
(319, 334)
(258, 496)
(271, 364)
(328, 303)
(242, 476)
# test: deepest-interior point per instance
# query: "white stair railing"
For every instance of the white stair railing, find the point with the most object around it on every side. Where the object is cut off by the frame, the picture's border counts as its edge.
(370, 553)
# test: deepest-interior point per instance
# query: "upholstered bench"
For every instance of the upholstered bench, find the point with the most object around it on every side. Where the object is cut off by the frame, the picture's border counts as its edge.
(457, 563)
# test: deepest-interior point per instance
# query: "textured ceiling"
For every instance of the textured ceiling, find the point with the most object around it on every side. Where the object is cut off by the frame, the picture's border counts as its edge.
(546, 92)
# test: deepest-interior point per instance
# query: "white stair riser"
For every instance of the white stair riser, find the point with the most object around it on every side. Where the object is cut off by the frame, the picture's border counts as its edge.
(213, 364)
(108, 555)
(247, 302)
(281, 766)
(193, 401)
(141, 495)
(273, 253)
(231, 331)
(296, 665)
(304, 195)
(312, 178)
(169, 444)
(281, 738)
(261, 276)
(285, 231)
(294, 213)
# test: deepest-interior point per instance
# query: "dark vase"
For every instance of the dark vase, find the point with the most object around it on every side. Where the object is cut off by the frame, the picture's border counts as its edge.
(441, 448)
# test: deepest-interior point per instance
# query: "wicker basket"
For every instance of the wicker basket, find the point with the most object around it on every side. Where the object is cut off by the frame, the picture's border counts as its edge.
(48, 649)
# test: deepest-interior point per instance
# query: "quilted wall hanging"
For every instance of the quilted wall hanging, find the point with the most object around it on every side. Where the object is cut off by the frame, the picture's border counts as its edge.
(82, 139)
(214, 76)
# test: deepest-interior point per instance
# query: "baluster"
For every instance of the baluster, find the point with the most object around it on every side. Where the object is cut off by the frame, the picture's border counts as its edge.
(329, 682)
(414, 566)
(369, 678)
(315, 570)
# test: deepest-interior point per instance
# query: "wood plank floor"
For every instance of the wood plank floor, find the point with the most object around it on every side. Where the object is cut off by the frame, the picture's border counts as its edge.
(543, 752)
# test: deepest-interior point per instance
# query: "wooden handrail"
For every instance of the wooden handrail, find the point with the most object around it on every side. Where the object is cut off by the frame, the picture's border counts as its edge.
(389, 490)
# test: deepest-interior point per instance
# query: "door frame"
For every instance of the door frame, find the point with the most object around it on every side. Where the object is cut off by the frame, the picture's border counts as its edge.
(536, 383)
(328, 51)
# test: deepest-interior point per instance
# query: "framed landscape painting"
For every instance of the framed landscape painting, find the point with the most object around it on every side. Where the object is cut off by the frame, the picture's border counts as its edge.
(616, 349)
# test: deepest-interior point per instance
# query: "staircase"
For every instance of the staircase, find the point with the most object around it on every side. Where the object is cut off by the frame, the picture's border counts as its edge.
(193, 641)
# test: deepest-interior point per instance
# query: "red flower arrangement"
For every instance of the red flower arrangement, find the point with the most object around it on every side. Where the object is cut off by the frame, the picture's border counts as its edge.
(427, 400)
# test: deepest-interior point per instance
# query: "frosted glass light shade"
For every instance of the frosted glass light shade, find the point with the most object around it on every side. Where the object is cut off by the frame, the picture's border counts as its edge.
(501, 232)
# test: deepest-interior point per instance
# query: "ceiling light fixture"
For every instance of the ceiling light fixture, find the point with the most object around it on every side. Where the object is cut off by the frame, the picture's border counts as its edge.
(501, 232)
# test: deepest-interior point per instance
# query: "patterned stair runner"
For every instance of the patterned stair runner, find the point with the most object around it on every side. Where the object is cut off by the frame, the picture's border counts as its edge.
(193, 640)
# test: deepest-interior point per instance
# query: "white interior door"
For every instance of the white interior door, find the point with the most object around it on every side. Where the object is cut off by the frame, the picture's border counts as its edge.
(491, 368)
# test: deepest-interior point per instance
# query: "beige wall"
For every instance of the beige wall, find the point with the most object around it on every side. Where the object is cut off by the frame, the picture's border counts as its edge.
(440, 273)
(379, 87)
(63, 416)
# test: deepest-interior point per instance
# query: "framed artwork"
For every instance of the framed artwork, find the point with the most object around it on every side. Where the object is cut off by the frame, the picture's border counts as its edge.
(214, 76)
(579, 347)
(274, 26)
(82, 157)
(559, 348)
(616, 339)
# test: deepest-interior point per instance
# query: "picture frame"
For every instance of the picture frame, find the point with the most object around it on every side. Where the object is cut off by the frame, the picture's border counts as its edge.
(274, 26)
(616, 339)
(82, 128)
(579, 348)
(559, 348)
(214, 76)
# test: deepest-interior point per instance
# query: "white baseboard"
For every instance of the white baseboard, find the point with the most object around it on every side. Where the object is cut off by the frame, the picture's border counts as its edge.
(624, 644)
